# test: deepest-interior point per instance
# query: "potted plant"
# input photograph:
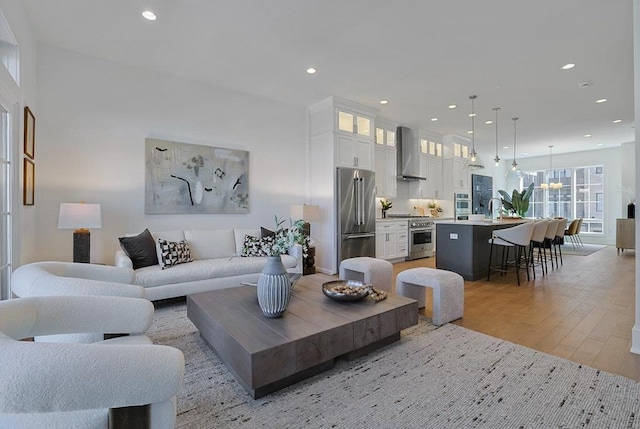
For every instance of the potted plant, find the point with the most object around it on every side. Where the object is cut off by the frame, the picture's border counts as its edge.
(518, 202)
(386, 205)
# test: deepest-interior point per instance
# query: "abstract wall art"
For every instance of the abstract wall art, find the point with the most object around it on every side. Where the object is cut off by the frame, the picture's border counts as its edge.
(193, 179)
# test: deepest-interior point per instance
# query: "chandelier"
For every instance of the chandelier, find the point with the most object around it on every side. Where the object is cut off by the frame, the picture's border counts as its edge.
(551, 185)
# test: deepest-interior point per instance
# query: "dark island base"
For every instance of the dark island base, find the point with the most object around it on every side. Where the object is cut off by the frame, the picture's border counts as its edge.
(463, 247)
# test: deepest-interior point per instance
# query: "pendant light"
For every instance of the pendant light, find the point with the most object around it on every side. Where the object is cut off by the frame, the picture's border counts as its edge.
(497, 158)
(551, 185)
(474, 162)
(514, 164)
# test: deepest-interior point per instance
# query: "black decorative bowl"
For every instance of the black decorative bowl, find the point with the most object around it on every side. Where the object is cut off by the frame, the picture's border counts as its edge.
(346, 290)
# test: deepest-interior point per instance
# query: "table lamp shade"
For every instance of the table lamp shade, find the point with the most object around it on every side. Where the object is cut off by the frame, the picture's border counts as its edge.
(79, 216)
(306, 212)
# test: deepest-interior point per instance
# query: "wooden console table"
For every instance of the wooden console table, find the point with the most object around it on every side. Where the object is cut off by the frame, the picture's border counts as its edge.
(625, 234)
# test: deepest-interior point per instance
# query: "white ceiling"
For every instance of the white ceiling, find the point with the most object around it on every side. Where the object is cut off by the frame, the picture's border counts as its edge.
(421, 55)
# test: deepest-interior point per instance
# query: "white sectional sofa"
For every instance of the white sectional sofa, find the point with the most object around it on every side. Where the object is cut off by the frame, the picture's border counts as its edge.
(216, 263)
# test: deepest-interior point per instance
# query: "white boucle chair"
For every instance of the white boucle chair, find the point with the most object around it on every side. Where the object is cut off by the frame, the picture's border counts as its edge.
(376, 272)
(55, 385)
(448, 291)
(53, 278)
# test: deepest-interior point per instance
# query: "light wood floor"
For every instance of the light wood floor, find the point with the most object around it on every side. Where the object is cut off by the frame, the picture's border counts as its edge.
(584, 311)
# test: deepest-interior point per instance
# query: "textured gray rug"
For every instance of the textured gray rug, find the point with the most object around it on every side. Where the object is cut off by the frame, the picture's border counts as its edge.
(584, 250)
(449, 377)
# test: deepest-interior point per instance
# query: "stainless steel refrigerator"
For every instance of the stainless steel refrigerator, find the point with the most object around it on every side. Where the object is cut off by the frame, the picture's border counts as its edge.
(356, 213)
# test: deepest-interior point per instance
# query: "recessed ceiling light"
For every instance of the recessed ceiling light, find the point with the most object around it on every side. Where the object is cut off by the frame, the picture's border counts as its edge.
(472, 115)
(587, 135)
(452, 106)
(488, 122)
(469, 132)
(147, 14)
(568, 66)
(505, 147)
(434, 119)
(384, 101)
(600, 144)
(312, 70)
(617, 121)
(601, 100)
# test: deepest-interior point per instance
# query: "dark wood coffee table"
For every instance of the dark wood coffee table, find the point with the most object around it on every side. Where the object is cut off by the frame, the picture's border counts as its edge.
(266, 355)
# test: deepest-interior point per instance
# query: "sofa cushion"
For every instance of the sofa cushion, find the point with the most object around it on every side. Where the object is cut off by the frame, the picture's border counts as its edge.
(239, 235)
(174, 253)
(254, 246)
(141, 249)
(177, 235)
(205, 269)
(211, 243)
(265, 232)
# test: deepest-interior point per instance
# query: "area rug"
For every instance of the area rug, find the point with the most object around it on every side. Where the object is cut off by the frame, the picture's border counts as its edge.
(587, 249)
(449, 377)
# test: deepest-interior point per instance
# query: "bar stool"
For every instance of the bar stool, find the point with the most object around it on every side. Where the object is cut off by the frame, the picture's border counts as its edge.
(562, 224)
(517, 238)
(537, 240)
(550, 237)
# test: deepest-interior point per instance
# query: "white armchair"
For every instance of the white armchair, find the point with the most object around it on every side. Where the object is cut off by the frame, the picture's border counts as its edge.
(53, 278)
(68, 278)
(57, 385)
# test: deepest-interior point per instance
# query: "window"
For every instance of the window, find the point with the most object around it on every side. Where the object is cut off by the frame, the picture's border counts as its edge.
(9, 52)
(5, 204)
(581, 195)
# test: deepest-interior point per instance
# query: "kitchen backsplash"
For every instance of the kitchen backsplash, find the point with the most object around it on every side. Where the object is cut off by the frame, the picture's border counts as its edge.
(419, 207)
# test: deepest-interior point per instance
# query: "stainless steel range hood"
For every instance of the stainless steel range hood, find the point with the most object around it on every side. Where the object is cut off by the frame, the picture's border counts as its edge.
(408, 153)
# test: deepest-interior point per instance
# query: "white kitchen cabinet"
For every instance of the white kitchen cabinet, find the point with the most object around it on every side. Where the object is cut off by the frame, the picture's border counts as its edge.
(354, 139)
(456, 176)
(385, 156)
(431, 168)
(391, 239)
(335, 140)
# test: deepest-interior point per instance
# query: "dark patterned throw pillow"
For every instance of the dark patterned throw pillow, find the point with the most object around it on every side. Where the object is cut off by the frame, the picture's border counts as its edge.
(174, 252)
(254, 246)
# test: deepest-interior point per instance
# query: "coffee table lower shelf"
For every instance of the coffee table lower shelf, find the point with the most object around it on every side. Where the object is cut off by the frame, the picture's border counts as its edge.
(266, 355)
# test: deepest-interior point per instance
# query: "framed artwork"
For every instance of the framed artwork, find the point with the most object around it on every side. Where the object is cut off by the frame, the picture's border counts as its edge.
(29, 133)
(29, 182)
(195, 179)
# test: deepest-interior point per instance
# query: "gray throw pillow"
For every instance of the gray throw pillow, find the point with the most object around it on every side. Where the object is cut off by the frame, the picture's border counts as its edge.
(141, 249)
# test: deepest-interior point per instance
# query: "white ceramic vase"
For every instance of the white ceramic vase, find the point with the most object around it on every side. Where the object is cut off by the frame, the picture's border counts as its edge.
(274, 288)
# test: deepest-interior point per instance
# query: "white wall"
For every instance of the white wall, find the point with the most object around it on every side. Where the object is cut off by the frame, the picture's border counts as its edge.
(24, 219)
(92, 121)
(610, 159)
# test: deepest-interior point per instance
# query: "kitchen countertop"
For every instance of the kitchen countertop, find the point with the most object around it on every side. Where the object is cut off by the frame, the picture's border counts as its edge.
(437, 219)
(485, 222)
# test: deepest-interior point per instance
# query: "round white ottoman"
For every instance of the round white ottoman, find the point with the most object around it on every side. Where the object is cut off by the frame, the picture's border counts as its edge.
(377, 272)
(448, 291)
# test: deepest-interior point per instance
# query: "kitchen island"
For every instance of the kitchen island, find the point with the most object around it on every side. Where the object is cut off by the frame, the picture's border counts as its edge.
(463, 246)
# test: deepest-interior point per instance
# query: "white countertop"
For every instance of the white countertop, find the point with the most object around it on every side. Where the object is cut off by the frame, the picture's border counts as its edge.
(485, 222)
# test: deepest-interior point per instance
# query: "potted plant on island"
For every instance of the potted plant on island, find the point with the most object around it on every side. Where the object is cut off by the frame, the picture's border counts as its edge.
(518, 202)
